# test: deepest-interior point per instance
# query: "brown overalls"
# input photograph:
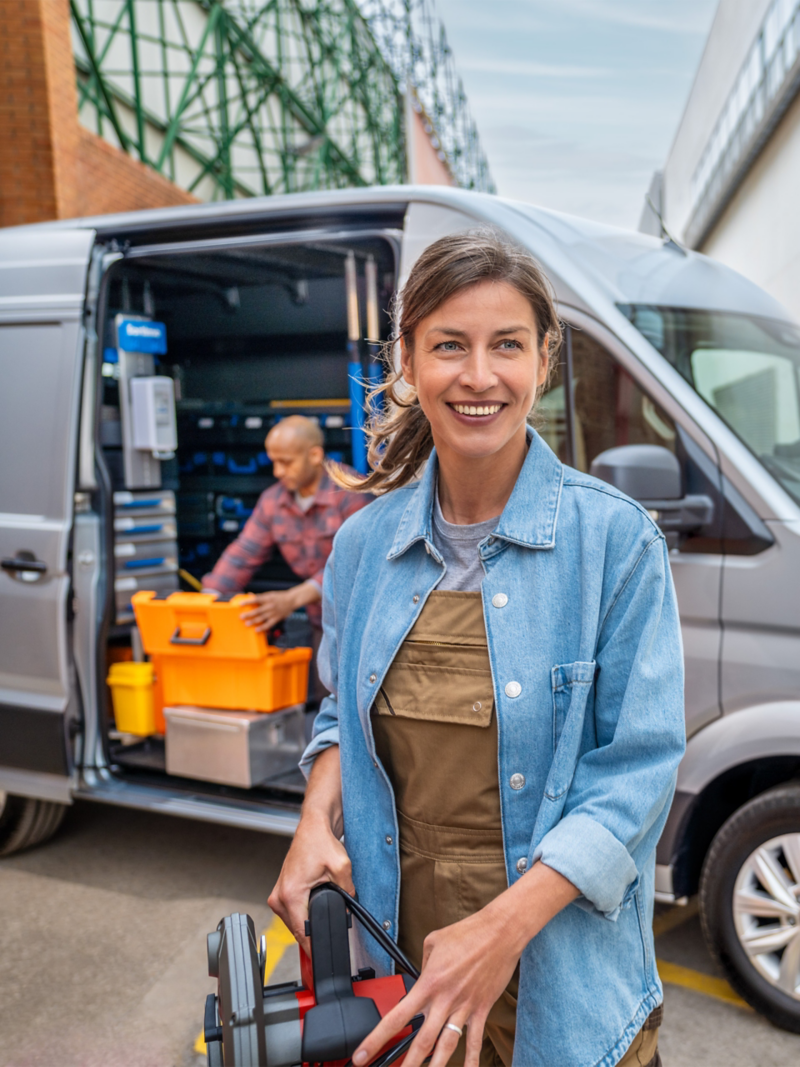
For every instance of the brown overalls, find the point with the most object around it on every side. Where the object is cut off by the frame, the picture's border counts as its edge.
(436, 736)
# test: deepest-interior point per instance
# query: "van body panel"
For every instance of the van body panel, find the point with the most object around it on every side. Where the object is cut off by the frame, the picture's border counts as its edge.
(42, 291)
(754, 733)
(41, 786)
(761, 621)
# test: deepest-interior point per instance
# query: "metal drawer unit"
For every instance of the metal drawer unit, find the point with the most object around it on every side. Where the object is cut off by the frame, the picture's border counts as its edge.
(145, 546)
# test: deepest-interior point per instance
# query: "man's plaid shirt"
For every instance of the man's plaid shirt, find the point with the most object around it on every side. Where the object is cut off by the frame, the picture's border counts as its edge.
(305, 539)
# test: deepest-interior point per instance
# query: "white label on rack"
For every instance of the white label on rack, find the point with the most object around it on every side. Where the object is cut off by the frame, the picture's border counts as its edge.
(123, 498)
(122, 585)
(253, 422)
(205, 423)
(126, 549)
(124, 524)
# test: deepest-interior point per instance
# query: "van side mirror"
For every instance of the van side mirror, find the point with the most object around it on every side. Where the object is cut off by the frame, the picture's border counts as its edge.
(651, 475)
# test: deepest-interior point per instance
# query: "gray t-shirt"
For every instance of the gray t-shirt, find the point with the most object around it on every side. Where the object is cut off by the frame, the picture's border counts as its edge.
(458, 546)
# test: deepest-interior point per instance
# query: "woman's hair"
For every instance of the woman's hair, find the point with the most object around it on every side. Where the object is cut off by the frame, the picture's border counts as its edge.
(398, 430)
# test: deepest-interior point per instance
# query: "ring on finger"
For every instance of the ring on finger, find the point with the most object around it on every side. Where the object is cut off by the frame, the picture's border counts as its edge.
(456, 1029)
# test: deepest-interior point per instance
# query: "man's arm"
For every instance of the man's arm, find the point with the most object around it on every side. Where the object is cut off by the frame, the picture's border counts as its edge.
(242, 558)
(271, 608)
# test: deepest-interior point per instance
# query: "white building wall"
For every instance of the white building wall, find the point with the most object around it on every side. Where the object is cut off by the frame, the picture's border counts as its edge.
(759, 232)
(733, 30)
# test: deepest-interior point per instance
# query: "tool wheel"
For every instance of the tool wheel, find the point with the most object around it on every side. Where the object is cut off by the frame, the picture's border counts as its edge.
(750, 903)
(25, 822)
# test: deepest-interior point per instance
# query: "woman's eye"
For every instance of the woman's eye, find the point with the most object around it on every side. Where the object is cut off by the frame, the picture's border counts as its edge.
(509, 344)
(448, 346)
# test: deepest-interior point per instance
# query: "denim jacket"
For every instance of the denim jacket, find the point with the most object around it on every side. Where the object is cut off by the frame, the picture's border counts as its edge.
(587, 667)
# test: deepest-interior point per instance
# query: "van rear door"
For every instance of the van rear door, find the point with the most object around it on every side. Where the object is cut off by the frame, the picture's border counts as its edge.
(42, 288)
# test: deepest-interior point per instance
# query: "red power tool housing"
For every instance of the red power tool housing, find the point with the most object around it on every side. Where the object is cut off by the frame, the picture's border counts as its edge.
(323, 1018)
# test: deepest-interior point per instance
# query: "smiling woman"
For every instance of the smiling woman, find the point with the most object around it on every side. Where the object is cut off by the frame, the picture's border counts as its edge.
(495, 763)
(497, 353)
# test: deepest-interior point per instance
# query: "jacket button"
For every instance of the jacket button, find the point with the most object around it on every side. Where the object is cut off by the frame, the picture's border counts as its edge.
(513, 689)
(517, 781)
(499, 600)
(387, 924)
(522, 864)
(373, 679)
(477, 706)
(415, 599)
(388, 839)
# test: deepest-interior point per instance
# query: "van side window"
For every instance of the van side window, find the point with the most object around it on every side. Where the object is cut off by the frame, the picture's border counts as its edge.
(610, 408)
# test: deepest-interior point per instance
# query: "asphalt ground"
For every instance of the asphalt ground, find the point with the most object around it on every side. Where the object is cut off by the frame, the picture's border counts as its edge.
(102, 941)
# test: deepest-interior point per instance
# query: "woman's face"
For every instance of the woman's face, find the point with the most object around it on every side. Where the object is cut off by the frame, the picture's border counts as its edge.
(476, 367)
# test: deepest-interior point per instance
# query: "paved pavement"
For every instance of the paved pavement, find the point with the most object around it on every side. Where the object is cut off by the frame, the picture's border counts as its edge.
(103, 930)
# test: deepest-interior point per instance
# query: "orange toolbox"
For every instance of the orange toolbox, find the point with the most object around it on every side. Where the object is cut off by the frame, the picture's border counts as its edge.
(204, 654)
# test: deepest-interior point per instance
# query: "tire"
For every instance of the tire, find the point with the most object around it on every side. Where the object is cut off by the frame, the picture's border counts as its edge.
(25, 822)
(750, 896)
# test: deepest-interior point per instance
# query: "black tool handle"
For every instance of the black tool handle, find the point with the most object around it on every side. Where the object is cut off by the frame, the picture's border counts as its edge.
(176, 638)
(330, 958)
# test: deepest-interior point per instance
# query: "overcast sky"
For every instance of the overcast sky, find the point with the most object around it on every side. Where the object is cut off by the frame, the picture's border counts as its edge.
(577, 101)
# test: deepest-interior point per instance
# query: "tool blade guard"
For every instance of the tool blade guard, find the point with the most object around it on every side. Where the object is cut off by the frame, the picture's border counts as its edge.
(321, 1019)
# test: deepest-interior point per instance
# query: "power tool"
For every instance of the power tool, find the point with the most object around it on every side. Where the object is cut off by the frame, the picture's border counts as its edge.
(320, 1019)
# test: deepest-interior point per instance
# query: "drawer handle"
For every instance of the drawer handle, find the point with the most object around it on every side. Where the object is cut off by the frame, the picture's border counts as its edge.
(176, 638)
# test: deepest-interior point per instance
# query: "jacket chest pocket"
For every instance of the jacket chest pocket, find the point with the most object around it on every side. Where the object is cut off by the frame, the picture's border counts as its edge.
(571, 685)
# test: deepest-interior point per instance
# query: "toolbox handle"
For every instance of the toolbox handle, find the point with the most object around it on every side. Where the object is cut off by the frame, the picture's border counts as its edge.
(176, 638)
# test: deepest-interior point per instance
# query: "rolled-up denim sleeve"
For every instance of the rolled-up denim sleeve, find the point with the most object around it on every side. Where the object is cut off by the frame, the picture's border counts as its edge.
(326, 724)
(619, 798)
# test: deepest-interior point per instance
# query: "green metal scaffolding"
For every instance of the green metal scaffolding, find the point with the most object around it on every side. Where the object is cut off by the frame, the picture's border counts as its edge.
(238, 98)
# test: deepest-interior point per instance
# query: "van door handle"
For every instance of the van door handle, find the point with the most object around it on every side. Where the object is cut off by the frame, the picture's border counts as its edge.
(20, 564)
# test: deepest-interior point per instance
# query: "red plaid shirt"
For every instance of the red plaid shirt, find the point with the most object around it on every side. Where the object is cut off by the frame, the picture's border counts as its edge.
(304, 538)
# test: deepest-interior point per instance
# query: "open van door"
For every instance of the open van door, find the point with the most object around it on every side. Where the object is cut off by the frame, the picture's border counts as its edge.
(43, 276)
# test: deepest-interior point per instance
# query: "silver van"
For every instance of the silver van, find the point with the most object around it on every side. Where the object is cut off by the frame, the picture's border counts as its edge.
(678, 382)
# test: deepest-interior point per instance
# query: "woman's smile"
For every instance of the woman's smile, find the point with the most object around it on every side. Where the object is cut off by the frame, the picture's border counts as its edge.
(473, 412)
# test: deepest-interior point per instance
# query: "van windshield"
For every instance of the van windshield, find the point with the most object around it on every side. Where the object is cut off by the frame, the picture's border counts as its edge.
(745, 367)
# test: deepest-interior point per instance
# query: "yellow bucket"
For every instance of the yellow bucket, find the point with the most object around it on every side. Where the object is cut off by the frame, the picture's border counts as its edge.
(131, 687)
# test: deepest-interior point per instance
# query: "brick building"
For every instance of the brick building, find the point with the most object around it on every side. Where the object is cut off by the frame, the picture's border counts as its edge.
(50, 165)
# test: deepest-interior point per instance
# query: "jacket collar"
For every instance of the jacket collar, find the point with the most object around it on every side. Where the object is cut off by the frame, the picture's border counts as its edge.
(528, 519)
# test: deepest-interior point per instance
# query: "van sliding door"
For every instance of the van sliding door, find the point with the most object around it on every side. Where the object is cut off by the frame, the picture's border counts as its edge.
(42, 286)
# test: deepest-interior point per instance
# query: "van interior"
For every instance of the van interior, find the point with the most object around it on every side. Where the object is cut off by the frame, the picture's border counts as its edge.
(254, 332)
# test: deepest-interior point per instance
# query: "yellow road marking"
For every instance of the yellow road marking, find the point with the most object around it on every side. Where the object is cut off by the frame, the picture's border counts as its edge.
(700, 983)
(676, 916)
(279, 938)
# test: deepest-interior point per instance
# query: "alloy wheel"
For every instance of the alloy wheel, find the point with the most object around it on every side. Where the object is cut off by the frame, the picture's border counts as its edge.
(766, 911)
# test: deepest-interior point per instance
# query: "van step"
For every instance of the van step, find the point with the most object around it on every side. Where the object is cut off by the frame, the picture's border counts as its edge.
(267, 816)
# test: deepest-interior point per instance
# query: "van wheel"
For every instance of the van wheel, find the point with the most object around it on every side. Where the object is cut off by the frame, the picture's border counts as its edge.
(750, 903)
(25, 822)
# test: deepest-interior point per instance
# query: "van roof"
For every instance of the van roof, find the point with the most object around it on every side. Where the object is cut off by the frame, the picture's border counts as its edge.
(591, 264)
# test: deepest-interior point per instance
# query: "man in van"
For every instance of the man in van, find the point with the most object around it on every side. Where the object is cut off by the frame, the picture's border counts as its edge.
(300, 515)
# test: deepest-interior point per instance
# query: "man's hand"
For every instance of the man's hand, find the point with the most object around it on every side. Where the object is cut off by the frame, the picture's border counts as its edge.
(271, 608)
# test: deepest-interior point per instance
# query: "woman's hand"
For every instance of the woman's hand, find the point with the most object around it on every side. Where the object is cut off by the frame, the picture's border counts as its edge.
(466, 967)
(316, 854)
